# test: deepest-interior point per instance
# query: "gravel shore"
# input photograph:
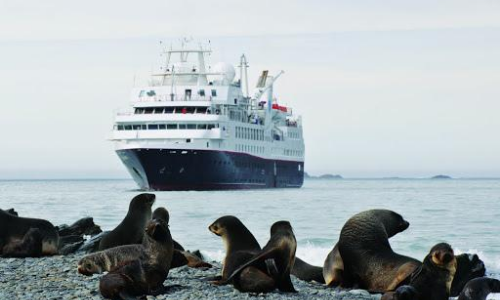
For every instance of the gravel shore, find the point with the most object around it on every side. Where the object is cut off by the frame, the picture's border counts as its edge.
(56, 278)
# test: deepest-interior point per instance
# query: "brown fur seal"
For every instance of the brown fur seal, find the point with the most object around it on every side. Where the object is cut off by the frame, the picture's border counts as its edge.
(279, 256)
(131, 229)
(368, 259)
(109, 259)
(13, 229)
(239, 242)
(469, 266)
(433, 278)
(29, 246)
(140, 277)
(479, 289)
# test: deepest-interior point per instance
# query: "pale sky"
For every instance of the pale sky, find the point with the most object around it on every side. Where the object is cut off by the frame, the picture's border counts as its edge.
(385, 88)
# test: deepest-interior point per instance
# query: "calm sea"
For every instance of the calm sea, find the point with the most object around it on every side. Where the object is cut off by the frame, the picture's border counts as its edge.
(464, 213)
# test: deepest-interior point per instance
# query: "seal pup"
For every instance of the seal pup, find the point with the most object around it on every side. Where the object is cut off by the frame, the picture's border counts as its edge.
(368, 259)
(29, 246)
(433, 278)
(239, 243)
(131, 229)
(469, 266)
(14, 228)
(142, 277)
(279, 256)
(404, 292)
(479, 289)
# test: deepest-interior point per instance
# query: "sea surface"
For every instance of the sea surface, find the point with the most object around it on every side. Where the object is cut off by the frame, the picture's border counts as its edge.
(462, 212)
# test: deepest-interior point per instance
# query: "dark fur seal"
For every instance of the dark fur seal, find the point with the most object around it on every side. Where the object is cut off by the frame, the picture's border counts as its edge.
(141, 277)
(368, 259)
(479, 289)
(29, 246)
(279, 256)
(469, 266)
(131, 229)
(239, 242)
(433, 278)
(13, 229)
(109, 259)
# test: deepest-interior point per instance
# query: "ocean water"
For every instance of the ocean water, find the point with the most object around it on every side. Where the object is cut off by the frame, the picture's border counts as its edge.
(464, 213)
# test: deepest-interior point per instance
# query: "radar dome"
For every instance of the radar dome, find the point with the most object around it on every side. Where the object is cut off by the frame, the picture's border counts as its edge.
(227, 71)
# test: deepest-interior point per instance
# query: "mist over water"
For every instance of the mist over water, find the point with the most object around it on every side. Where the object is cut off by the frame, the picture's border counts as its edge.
(463, 212)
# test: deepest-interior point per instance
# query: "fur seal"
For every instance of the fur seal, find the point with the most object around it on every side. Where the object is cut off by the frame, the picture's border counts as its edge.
(479, 289)
(368, 259)
(239, 243)
(279, 257)
(140, 277)
(433, 278)
(469, 266)
(14, 228)
(131, 229)
(106, 260)
(29, 246)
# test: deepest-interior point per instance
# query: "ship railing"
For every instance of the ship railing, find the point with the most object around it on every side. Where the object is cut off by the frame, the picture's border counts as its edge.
(173, 97)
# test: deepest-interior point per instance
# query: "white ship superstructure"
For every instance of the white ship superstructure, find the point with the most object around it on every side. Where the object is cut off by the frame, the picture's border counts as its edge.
(196, 127)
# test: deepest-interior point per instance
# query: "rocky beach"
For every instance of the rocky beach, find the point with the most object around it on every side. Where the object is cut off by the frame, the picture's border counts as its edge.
(56, 277)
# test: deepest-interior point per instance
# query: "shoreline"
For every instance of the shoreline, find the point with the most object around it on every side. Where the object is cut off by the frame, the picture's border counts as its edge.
(56, 277)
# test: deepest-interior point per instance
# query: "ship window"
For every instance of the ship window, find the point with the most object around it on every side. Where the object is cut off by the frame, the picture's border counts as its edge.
(144, 127)
(128, 127)
(188, 94)
(162, 126)
(139, 110)
(159, 110)
(214, 93)
(136, 127)
(148, 110)
(169, 110)
(182, 126)
(171, 126)
(153, 127)
(210, 126)
(120, 127)
(201, 110)
(191, 126)
(202, 126)
(201, 93)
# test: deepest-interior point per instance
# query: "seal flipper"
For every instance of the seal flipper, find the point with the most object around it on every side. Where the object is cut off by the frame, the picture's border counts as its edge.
(281, 277)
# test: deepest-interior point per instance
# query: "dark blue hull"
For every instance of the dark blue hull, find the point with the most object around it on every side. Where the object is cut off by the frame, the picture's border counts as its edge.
(168, 169)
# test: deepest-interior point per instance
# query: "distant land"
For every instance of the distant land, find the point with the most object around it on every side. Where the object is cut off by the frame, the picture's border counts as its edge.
(336, 177)
(324, 176)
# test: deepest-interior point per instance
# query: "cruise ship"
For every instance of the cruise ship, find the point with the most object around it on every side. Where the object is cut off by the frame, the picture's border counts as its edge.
(197, 127)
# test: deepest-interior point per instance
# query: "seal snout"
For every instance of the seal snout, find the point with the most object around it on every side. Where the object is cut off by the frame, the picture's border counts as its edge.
(442, 254)
(214, 229)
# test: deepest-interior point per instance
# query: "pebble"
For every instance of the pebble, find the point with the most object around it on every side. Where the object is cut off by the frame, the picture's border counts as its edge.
(56, 278)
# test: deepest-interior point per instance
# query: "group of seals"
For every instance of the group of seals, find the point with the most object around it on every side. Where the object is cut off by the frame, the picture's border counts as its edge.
(363, 258)
(24, 237)
(250, 268)
(138, 260)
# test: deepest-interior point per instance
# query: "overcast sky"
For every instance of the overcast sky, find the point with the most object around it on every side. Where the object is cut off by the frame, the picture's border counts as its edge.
(385, 88)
